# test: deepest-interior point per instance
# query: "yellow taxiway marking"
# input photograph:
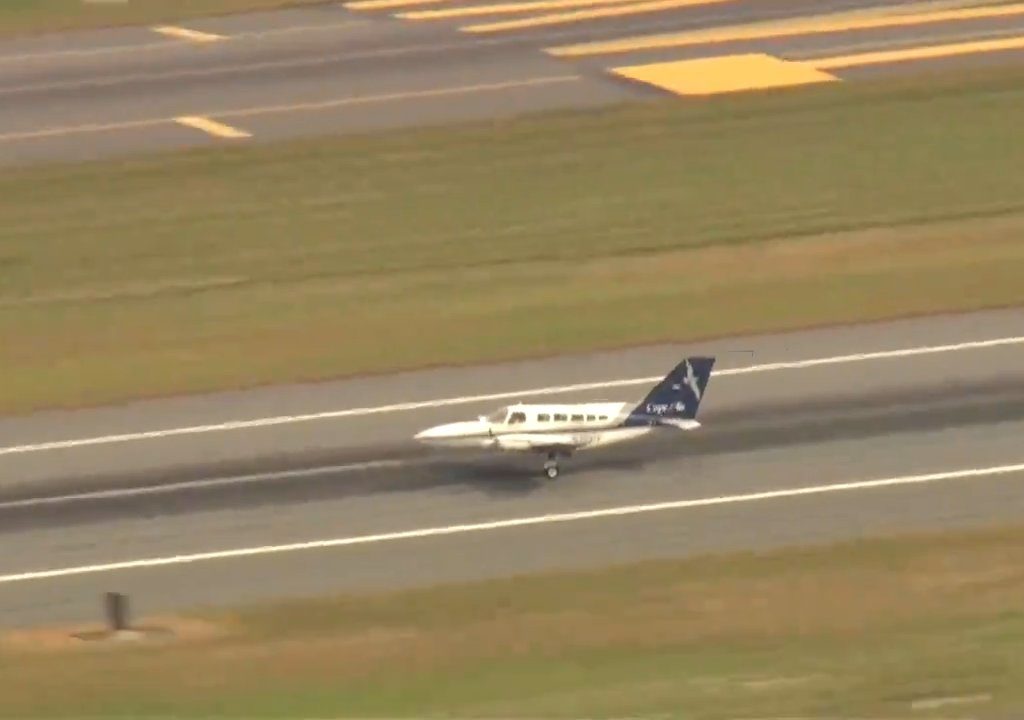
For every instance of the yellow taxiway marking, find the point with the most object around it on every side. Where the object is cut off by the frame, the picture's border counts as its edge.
(212, 127)
(185, 34)
(634, 8)
(388, 4)
(732, 73)
(504, 8)
(823, 24)
(919, 53)
(757, 71)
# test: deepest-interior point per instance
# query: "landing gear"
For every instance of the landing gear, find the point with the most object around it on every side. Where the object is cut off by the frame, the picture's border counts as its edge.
(551, 467)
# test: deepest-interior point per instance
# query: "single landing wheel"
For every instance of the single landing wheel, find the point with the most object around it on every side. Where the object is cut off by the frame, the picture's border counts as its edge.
(551, 469)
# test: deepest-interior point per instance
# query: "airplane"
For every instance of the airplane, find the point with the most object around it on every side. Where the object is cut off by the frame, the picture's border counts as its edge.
(559, 430)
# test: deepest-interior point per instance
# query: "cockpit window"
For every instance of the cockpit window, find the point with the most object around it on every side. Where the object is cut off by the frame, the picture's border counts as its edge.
(517, 417)
(498, 416)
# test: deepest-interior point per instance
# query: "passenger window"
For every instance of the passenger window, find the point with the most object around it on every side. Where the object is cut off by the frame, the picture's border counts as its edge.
(517, 417)
(543, 417)
(577, 418)
(591, 418)
(560, 418)
(604, 417)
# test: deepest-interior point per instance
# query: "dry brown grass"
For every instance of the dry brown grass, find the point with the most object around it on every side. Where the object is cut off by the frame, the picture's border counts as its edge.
(526, 309)
(871, 621)
(28, 17)
(238, 267)
(84, 638)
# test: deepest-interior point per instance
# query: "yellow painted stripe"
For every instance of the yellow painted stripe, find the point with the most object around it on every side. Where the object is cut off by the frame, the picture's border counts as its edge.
(504, 8)
(757, 71)
(822, 24)
(616, 11)
(185, 34)
(727, 74)
(388, 4)
(919, 53)
(211, 126)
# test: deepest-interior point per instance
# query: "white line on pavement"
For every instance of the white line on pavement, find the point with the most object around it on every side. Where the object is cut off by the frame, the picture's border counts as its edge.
(510, 523)
(445, 402)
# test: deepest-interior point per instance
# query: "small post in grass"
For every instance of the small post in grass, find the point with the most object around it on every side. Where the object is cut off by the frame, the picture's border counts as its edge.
(117, 611)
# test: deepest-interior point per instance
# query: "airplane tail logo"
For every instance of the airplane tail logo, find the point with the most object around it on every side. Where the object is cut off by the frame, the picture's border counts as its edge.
(678, 396)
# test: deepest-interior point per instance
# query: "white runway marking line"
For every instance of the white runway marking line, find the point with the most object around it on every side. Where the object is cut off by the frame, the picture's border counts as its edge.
(180, 33)
(299, 107)
(163, 45)
(510, 523)
(212, 127)
(445, 402)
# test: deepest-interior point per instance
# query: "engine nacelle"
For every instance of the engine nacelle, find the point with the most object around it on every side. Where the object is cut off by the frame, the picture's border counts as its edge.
(514, 442)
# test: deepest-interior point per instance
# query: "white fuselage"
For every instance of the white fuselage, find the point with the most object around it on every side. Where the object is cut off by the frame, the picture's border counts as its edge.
(530, 427)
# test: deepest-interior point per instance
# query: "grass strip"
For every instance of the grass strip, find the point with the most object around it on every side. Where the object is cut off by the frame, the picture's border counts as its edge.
(31, 17)
(874, 628)
(664, 221)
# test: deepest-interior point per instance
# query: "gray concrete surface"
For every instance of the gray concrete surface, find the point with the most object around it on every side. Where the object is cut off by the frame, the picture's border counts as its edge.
(355, 438)
(327, 69)
(789, 428)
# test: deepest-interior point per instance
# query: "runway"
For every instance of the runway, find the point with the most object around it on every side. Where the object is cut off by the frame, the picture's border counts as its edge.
(845, 405)
(326, 465)
(376, 64)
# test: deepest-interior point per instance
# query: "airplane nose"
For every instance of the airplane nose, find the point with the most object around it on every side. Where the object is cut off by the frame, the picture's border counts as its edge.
(431, 432)
(446, 432)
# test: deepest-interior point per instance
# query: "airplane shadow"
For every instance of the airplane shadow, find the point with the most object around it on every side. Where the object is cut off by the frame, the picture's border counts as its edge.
(511, 477)
(494, 476)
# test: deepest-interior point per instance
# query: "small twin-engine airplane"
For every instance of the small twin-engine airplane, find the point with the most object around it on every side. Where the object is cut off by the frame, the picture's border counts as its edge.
(560, 430)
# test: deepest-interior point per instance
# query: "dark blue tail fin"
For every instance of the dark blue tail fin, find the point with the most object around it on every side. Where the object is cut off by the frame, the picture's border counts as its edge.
(677, 397)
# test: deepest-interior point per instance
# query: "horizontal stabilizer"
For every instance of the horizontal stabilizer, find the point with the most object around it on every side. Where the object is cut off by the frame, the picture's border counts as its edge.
(681, 424)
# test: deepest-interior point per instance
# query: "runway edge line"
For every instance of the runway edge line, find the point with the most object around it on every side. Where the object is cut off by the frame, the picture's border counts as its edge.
(511, 523)
(446, 402)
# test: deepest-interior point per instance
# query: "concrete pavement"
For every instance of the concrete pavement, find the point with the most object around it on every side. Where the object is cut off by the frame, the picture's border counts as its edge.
(948, 408)
(362, 67)
(334, 460)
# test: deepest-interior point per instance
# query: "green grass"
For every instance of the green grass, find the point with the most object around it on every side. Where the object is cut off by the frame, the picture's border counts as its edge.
(862, 629)
(28, 17)
(664, 221)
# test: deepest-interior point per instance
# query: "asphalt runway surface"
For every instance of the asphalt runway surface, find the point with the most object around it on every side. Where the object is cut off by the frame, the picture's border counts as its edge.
(888, 401)
(332, 465)
(332, 69)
